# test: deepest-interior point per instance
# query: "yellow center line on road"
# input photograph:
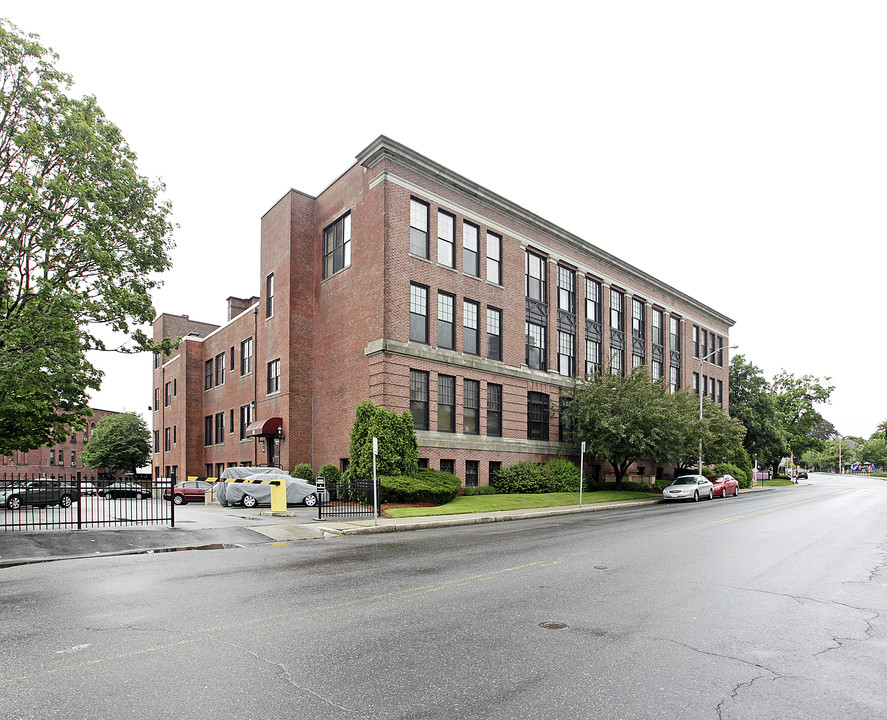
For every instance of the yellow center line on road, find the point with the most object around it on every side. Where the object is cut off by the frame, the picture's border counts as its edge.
(714, 523)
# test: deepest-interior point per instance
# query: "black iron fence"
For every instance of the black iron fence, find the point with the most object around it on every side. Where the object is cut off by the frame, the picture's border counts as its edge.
(348, 498)
(46, 504)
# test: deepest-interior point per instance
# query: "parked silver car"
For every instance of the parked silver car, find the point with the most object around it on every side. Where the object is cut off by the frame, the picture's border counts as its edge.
(249, 494)
(689, 487)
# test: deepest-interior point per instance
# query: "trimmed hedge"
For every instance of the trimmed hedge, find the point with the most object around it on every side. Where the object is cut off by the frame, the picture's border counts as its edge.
(432, 486)
(522, 477)
(737, 472)
(480, 490)
(561, 475)
(304, 471)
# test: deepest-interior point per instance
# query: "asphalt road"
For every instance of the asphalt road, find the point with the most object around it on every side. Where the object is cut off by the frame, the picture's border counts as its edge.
(769, 605)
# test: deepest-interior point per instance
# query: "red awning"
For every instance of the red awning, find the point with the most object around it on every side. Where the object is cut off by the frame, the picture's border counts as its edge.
(271, 426)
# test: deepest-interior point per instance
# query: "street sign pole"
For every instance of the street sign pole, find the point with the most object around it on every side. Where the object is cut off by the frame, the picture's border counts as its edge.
(581, 471)
(375, 481)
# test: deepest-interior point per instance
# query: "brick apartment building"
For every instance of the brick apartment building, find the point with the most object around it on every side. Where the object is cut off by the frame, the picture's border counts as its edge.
(59, 462)
(409, 285)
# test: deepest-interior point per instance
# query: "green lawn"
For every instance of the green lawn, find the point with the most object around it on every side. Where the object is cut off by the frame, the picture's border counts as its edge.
(774, 483)
(494, 503)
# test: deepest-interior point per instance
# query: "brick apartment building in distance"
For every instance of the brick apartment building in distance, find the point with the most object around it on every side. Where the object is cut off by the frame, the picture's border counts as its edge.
(409, 285)
(59, 462)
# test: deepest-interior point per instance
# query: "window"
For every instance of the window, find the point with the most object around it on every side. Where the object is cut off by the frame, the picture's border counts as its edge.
(445, 309)
(495, 467)
(494, 410)
(337, 246)
(592, 300)
(220, 428)
(470, 311)
(167, 395)
(537, 416)
(448, 466)
(638, 333)
(617, 310)
(566, 353)
(470, 259)
(208, 430)
(418, 313)
(220, 369)
(696, 383)
(446, 403)
(494, 258)
(592, 358)
(273, 377)
(721, 393)
(246, 356)
(156, 399)
(566, 289)
(535, 273)
(246, 417)
(535, 346)
(656, 370)
(166, 440)
(419, 399)
(616, 361)
(494, 334)
(74, 456)
(231, 422)
(208, 375)
(470, 407)
(565, 427)
(418, 228)
(674, 336)
(446, 233)
(471, 473)
(269, 295)
(658, 336)
(720, 351)
(61, 457)
(696, 341)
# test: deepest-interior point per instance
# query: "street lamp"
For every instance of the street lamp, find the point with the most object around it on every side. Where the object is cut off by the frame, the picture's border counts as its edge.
(703, 358)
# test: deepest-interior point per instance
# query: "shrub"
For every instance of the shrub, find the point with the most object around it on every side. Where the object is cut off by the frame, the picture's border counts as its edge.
(333, 480)
(480, 490)
(304, 471)
(522, 477)
(561, 475)
(432, 486)
(735, 471)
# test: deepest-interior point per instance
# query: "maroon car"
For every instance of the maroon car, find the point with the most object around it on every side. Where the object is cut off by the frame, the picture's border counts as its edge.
(724, 485)
(187, 491)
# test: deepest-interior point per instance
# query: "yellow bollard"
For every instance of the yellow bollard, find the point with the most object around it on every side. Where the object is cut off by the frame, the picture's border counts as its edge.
(278, 496)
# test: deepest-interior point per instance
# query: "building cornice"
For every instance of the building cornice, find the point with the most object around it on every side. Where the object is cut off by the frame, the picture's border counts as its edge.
(383, 147)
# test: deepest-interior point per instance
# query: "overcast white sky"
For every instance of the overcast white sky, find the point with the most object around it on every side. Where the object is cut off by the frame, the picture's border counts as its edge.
(737, 151)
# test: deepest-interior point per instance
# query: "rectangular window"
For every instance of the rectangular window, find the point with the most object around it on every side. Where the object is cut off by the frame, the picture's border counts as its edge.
(273, 385)
(566, 353)
(494, 334)
(704, 343)
(208, 375)
(246, 356)
(696, 383)
(674, 379)
(592, 300)
(167, 394)
(470, 257)
(471, 473)
(446, 233)
(658, 336)
(167, 444)
(495, 467)
(418, 228)
(418, 313)
(494, 258)
(537, 416)
(337, 246)
(617, 310)
(208, 430)
(470, 312)
(445, 310)
(617, 364)
(494, 410)
(566, 289)
(535, 275)
(419, 399)
(220, 369)
(156, 399)
(61, 457)
(246, 417)
(721, 393)
(674, 333)
(535, 358)
(592, 358)
(656, 370)
(231, 421)
(446, 403)
(269, 295)
(696, 341)
(720, 351)
(448, 466)
(470, 407)
(156, 446)
(638, 333)
(220, 428)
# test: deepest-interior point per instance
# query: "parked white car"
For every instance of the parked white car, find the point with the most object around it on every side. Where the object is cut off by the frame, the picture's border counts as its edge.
(689, 487)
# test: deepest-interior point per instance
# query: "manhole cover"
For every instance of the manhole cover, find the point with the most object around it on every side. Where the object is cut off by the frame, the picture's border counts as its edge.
(552, 625)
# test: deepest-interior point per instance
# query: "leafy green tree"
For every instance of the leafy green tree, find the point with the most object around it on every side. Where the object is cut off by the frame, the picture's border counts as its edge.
(795, 399)
(881, 432)
(753, 404)
(398, 447)
(623, 419)
(83, 238)
(874, 451)
(119, 442)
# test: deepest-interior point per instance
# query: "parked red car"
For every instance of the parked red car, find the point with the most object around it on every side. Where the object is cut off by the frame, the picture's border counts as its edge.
(724, 485)
(187, 491)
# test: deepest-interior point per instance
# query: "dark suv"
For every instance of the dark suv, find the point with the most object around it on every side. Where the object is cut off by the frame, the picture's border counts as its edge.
(40, 491)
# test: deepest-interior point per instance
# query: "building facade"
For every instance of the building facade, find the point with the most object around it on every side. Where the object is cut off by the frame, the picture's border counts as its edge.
(409, 285)
(59, 462)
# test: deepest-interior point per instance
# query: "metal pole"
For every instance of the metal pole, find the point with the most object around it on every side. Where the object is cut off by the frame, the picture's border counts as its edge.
(581, 471)
(375, 481)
